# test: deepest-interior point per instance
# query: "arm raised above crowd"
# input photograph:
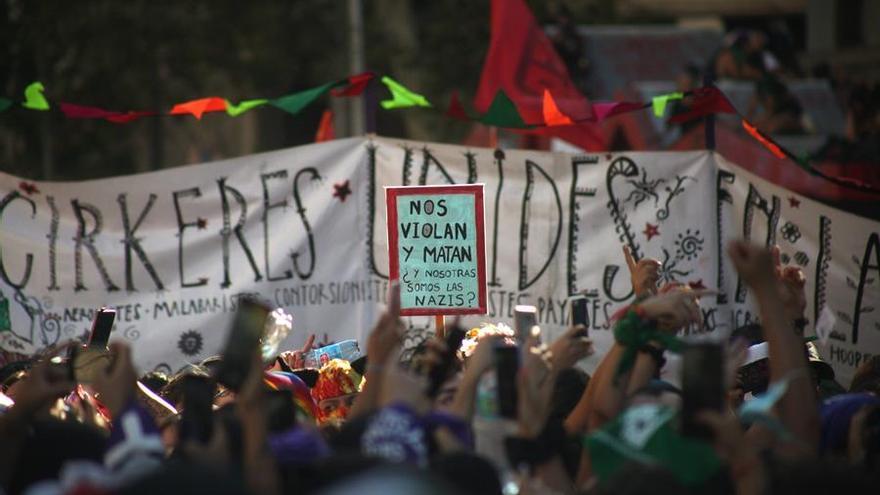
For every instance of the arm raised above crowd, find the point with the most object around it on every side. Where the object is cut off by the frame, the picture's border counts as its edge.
(383, 340)
(798, 408)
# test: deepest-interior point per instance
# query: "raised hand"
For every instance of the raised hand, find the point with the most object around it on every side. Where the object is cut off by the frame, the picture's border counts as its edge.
(115, 384)
(296, 359)
(644, 274)
(570, 348)
(675, 309)
(44, 383)
(754, 264)
(791, 283)
(388, 331)
(535, 384)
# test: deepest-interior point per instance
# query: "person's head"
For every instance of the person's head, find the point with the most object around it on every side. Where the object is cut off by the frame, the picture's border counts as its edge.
(49, 444)
(154, 380)
(468, 473)
(334, 392)
(837, 418)
(173, 390)
(570, 386)
(656, 392)
(11, 375)
(867, 377)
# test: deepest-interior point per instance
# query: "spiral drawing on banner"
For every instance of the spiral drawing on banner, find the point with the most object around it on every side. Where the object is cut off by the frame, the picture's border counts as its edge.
(131, 333)
(47, 302)
(689, 245)
(190, 343)
(790, 232)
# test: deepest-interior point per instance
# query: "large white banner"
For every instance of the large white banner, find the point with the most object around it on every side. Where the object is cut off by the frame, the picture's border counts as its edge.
(304, 228)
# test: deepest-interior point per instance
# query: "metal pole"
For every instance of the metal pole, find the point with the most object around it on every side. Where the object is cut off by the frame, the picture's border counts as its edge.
(356, 63)
(709, 121)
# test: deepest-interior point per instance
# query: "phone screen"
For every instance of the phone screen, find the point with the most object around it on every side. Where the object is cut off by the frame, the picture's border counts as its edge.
(525, 318)
(506, 367)
(702, 385)
(101, 328)
(440, 372)
(579, 313)
(244, 339)
(196, 421)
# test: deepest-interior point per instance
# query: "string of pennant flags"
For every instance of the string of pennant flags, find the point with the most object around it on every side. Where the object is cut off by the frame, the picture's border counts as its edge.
(502, 112)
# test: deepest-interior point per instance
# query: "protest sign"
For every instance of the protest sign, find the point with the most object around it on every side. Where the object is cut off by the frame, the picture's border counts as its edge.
(437, 248)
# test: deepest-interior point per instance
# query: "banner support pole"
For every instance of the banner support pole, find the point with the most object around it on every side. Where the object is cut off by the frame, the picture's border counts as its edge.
(439, 321)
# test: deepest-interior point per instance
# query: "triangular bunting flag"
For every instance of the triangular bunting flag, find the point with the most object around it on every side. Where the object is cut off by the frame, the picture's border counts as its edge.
(243, 106)
(356, 85)
(401, 96)
(705, 101)
(326, 132)
(199, 107)
(503, 113)
(72, 111)
(659, 102)
(552, 115)
(770, 145)
(130, 116)
(603, 110)
(456, 109)
(34, 98)
(297, 101)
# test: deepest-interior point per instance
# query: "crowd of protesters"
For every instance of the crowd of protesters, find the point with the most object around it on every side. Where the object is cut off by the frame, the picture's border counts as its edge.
(382, 425)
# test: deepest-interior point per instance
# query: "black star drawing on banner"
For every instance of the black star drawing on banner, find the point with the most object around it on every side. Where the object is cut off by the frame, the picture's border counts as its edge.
(341, 191)
(794, 202)
(201, 223)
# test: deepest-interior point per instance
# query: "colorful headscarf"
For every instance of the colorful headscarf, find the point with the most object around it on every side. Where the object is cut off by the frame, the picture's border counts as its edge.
(474, 335)
(302, 398)
(335, 379)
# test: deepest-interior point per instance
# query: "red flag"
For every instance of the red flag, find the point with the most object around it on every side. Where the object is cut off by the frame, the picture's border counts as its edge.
(326, 132)
(706, 101)
(522, 62)
(355, 85)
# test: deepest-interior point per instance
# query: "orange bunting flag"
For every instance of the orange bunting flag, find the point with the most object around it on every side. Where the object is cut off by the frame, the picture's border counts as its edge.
(199, 107)
(326, 132)
(770, 145)
(552, 115)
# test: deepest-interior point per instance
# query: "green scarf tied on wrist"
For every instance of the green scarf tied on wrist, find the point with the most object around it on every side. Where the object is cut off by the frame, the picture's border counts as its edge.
(632, 332)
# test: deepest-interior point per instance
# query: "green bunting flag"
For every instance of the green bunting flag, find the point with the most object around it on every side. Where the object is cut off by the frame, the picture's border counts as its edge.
(243, 106)
(5, 103)
(503, 113)
(658, 103)
(297, 101)
(401, 96)
(646, 434)
(34, 98)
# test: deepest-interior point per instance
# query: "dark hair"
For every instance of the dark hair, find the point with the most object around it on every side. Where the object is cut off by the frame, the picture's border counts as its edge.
(154, 381)
(867, 377)
(467, 473)
(49, 444)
